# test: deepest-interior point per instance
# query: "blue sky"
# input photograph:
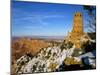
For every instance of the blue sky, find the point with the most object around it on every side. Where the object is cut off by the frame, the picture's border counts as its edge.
(43, 19)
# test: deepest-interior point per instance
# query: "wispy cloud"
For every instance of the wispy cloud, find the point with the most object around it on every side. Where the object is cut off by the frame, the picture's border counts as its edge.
(35, 21)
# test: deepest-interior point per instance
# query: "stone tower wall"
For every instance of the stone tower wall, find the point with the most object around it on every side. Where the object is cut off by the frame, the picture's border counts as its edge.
(78, 24)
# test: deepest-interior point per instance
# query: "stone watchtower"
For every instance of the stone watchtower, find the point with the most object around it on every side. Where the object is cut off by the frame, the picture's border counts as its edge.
(78, 24)
(77, 31)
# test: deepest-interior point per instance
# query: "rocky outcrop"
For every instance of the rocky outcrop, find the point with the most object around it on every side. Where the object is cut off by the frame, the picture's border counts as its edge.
(52, 58)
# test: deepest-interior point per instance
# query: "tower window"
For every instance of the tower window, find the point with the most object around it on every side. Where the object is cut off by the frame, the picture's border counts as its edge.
(76, 14)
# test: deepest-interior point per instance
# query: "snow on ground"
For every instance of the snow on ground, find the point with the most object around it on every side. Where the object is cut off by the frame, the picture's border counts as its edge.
(49, 59)
(47, 56)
